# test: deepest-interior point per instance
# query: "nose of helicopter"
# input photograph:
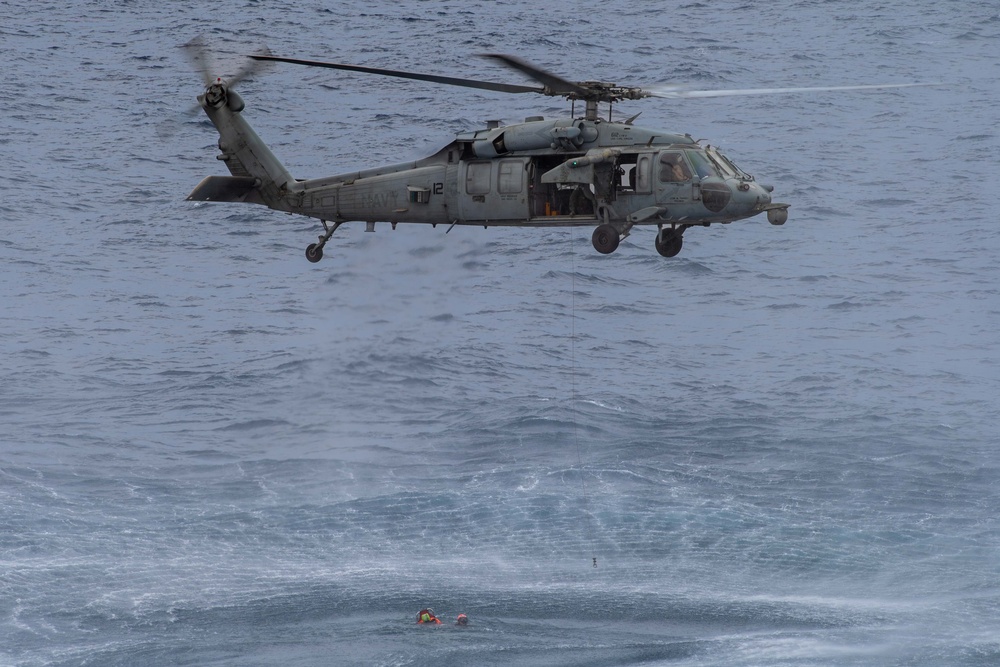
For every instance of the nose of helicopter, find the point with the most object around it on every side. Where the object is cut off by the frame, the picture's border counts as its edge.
(763, 193)
(751, 196)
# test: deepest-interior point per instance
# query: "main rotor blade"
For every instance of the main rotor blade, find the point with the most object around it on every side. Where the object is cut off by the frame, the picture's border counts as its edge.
(677, 92)
(554, 85)
(451, 81)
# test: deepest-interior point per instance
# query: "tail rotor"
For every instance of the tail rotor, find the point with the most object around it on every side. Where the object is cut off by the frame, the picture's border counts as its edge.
(218, 90)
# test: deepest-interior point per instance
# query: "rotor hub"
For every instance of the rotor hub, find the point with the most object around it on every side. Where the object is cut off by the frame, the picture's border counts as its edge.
(215, 94)
(601, 91)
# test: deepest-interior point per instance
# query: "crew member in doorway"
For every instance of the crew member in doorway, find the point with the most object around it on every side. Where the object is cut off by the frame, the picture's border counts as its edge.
(427, 616)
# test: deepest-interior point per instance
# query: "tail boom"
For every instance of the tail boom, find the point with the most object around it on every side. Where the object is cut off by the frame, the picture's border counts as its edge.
(257, 175)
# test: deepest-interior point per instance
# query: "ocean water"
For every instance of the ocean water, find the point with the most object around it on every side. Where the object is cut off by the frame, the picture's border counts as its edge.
(779, 448)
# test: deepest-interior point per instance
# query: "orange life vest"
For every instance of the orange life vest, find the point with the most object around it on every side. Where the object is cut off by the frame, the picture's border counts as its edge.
(426, 617)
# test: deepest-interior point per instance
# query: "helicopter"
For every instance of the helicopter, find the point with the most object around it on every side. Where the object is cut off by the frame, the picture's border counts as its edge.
(577, 171)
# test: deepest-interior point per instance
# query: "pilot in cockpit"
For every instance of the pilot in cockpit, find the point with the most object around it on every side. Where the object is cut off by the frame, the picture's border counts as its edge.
(671, 169)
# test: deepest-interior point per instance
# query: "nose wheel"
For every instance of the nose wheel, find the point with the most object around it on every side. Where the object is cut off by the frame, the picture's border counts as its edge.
(314, 252)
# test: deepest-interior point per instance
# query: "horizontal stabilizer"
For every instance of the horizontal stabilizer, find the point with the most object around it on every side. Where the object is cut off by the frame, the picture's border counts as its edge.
(227, 188)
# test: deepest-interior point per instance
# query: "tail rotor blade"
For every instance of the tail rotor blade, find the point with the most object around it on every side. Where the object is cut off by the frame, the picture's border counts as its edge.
(256, 63)
(197, 53)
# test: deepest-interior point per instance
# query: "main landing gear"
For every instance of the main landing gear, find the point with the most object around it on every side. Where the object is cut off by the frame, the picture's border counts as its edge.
(668, 241)
(314, 252)
(606, 239)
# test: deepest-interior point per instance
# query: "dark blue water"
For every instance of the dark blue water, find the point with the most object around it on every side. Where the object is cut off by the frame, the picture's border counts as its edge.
(780, 446)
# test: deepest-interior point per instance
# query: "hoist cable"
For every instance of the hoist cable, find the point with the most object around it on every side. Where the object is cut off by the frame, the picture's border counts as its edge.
(588, 519)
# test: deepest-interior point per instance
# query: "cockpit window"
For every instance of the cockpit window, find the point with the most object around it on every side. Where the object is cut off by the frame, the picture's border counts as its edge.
(720, 162)
(726, 166)
(702, 165)
(673, 168)
(733, 165)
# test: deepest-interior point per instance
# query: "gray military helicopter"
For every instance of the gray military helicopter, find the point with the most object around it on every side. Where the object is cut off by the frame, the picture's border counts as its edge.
(576, 171)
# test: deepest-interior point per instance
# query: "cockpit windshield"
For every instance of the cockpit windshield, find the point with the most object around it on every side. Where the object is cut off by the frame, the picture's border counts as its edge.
(725, 165)
(702, 165)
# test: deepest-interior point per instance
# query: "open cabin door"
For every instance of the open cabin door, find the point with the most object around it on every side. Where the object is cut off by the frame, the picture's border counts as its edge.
(573, 185)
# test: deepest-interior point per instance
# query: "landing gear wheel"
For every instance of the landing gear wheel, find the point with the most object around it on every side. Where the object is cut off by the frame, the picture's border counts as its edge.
(605, 239)
(669, 242)
(314, 252)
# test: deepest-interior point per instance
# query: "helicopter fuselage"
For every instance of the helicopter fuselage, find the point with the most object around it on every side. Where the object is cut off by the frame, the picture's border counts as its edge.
(540, 173)
(528, 174)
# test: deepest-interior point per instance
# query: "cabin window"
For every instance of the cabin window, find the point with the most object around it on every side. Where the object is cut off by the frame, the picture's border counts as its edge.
(673, 168)
(640, 176)
(418, 195)
(627, 171)
(510, 181)
(477, 178)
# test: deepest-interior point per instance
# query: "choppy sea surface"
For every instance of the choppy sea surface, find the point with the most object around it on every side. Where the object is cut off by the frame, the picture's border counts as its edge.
(781, 447)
